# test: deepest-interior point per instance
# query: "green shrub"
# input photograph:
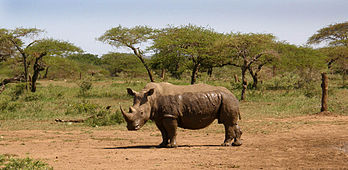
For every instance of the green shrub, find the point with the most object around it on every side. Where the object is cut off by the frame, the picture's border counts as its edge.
(85, 87)
(84, 107)
(105, 118)
(17, 91)
(8, 163)
(8, 105)
(31, 97)
(3, 104)
(236, 85)
(311, 89)
(285, 81)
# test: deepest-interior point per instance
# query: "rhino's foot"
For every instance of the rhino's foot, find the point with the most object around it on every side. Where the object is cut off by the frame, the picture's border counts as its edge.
(172, 145)
(237, 143)
(226, 144)
(163, 145)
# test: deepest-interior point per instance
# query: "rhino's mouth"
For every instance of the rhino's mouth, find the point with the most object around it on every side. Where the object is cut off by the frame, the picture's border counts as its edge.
(134, 128)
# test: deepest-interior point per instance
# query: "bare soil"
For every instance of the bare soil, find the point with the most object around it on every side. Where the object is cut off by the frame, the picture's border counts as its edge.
(312, 142)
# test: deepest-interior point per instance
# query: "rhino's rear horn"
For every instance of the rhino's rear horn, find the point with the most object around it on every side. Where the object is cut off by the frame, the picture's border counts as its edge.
(131, 110)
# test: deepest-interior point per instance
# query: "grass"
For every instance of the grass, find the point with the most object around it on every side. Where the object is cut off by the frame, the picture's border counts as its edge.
(9, 162)
(64, 100)
(266, 110)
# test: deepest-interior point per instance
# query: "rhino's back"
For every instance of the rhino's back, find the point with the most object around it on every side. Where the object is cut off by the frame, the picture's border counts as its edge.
(170, 89)
(193, 110)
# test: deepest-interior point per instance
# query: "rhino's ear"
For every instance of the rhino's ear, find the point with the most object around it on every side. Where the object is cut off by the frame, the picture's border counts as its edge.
(131, 92)
(150, 92)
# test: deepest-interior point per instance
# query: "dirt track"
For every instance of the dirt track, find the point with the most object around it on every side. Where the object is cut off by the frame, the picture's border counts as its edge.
(321, 142)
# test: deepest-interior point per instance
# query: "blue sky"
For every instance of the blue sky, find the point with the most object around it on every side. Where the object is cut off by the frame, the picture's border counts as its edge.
(82, 21)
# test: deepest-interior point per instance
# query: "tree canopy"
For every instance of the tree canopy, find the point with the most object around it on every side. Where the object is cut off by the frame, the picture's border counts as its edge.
(34, 51)
(189, 45)
(335, 35)
(116, 63)
(131, 38)
(249, 52)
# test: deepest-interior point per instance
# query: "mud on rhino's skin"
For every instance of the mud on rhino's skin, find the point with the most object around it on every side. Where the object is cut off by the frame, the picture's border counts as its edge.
(190, 107)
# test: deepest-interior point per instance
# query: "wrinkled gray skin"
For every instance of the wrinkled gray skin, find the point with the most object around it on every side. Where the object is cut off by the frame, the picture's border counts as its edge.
(190, 107)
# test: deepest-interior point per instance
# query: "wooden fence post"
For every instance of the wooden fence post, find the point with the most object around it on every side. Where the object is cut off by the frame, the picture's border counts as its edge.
(325, 88)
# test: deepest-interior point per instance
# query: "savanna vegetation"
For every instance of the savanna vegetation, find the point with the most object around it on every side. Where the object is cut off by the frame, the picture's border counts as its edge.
(45, 79)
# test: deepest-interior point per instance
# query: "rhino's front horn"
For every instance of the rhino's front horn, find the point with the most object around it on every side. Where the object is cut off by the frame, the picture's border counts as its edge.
(125, 115)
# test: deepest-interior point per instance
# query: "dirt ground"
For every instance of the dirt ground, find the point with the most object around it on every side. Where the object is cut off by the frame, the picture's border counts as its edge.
(317, 142)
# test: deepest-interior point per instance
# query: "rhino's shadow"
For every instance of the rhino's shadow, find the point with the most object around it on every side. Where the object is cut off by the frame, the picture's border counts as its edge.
(157, 147)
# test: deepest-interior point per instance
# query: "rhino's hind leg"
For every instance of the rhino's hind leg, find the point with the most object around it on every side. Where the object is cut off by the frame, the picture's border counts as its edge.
(232, 132)
(238, 134)
(170, 125)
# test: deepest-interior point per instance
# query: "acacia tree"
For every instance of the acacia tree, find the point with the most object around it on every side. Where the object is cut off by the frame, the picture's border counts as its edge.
(47, 47)
(249, 52)
(116, 63)
(6, 48)
(34, 51)
(189, 45)
(337, 60)
(15, 37)
(130, 38)
(336, 35)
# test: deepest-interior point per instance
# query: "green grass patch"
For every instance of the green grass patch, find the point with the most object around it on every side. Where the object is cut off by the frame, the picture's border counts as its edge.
(8, 162)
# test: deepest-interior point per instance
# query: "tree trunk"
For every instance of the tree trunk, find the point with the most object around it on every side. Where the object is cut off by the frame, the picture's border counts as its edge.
(344, 77)
(210, 71)
(194, 73)
(244, 83)
(274, 70)
(255, 81)
(163, 74)
(254, 75)
(141, 58)
(11, 80)
(25, 71)
(37, 68)
(236, 79)
(324, 87)
(2, 88)
(46, 72)
(35, 76)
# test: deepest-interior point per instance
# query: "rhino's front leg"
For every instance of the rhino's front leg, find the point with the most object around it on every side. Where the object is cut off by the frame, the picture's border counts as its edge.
(164, 134)
(170, 125)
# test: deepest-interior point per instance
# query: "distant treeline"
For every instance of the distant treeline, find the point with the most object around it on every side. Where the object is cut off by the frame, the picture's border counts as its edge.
(179, 52)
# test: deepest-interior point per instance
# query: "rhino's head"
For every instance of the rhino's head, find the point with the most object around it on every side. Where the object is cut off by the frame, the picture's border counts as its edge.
(140, 112)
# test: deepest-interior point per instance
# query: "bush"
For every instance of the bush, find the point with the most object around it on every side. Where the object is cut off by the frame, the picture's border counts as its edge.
(311, 89)
(105, 118)
(84, 107)
(85, 86)
(7, 163)
(31, 97)
(285, 81)
(17, 91)
(8, 106)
